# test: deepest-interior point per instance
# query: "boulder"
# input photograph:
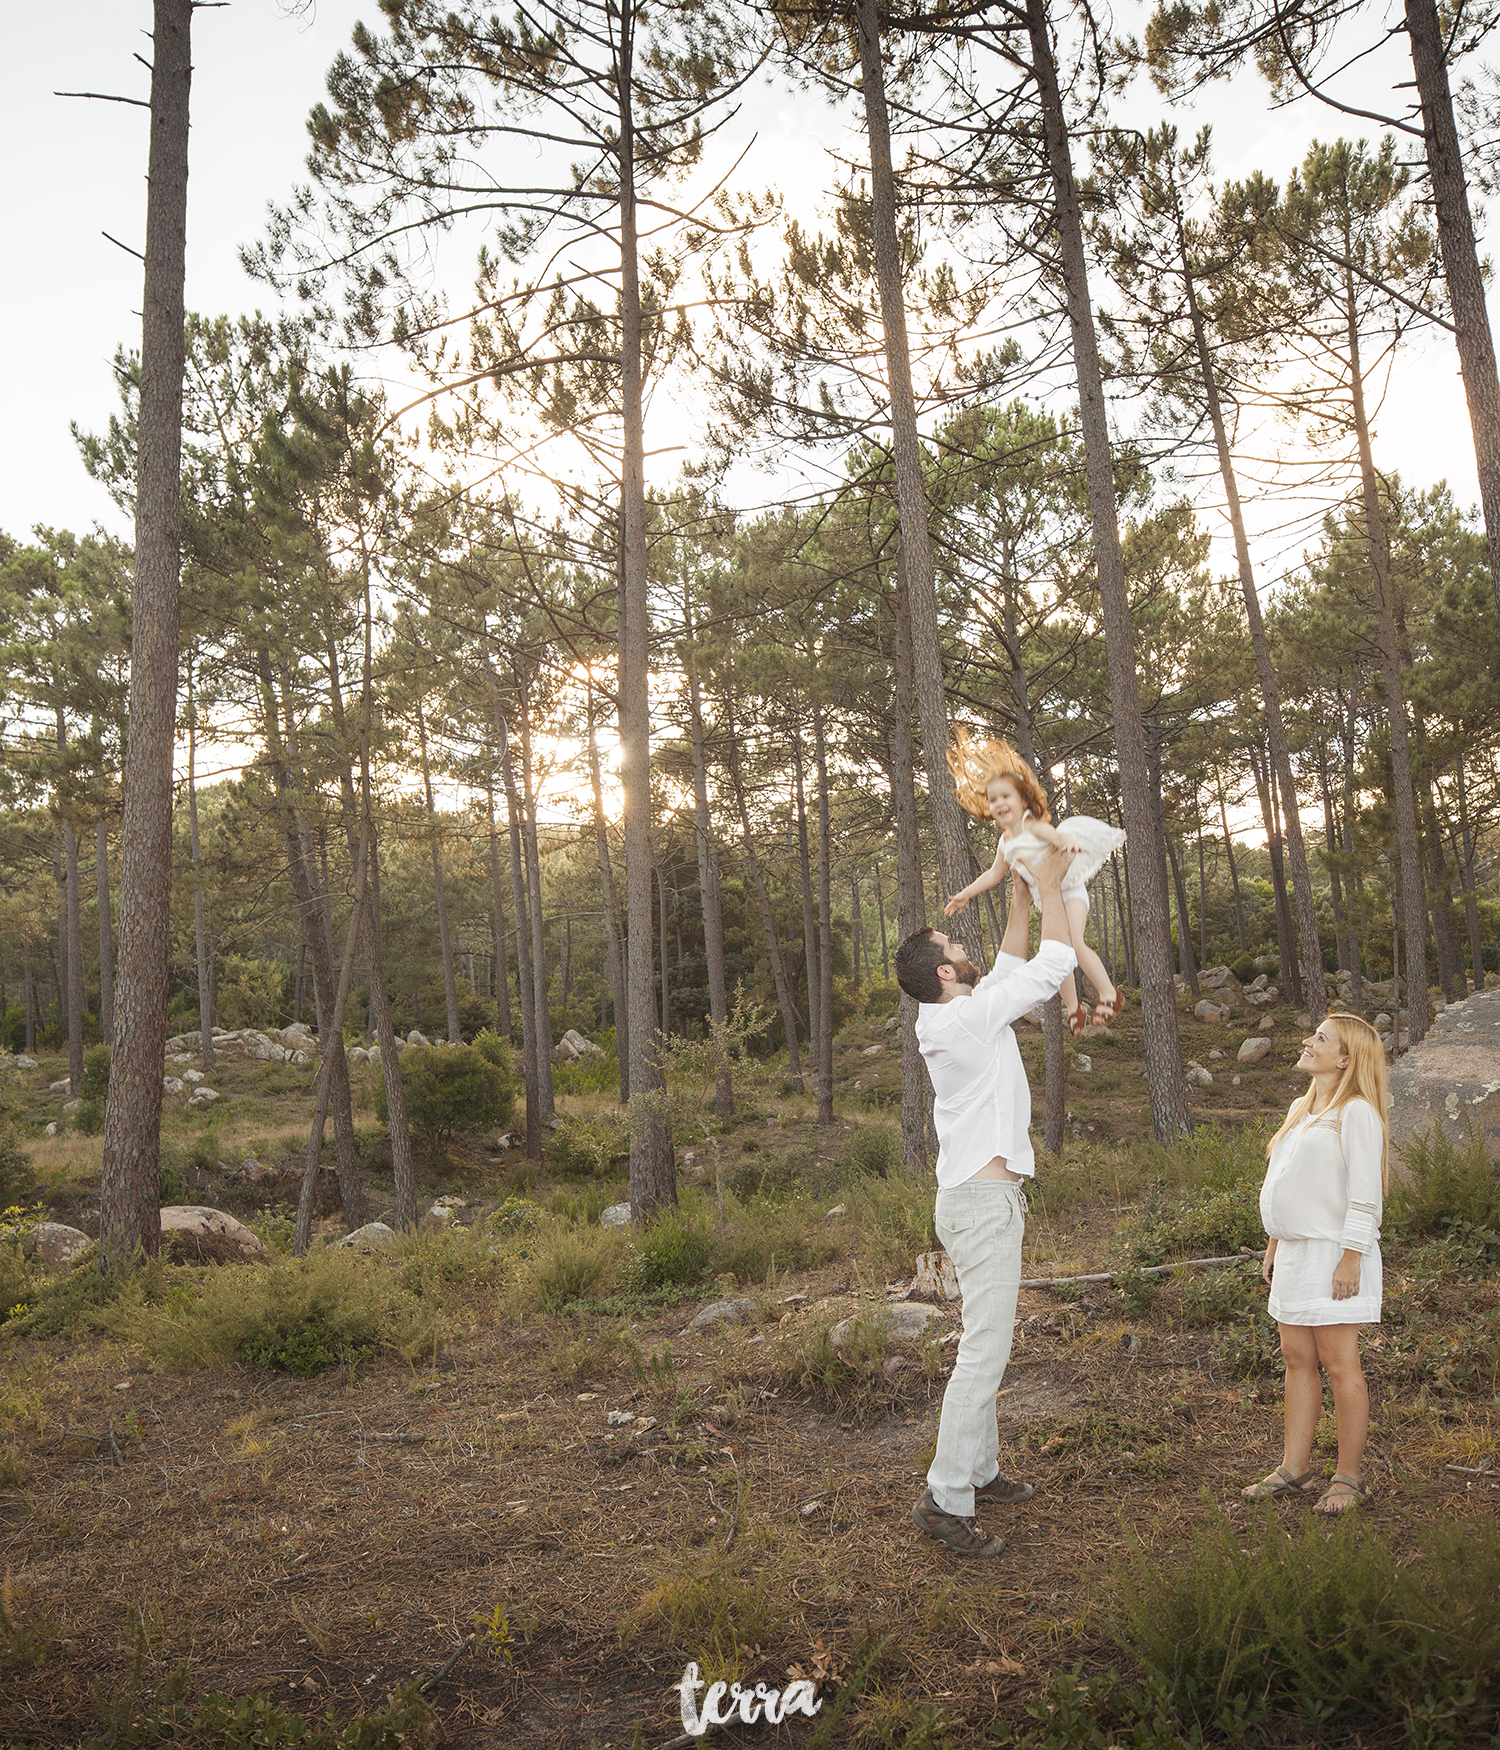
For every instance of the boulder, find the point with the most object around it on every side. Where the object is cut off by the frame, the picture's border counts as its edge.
(26, 1063)
(181, 1057)
(1214, 1053)
(417, 1038)
(872, 1051)
(1083, 1063)
(1253, 1050)
(1197, 1077)
(59, 1087)
(437, 1218)
(358, 1054)
(906, 1323)
(1210, 1011)
(1452, 1079)
(374, 1236)
(724, 1312)
(51, 1129)
(71, 1105)
(268, 1051)
(936, 1277)
(563, 1052)
(1258, 983)
(373, 1054)
(297, 1057)
(1382, 1022)
(617, 1215)
(209, 1236)
(892, 1023)
(57, 1245)
(202, 1096)
(172, 1084)
(1218, 978)
(583, 1047)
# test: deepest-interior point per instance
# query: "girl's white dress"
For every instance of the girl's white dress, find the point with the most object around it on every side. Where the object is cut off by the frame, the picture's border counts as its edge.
(1322, 1197)
(1097, 837)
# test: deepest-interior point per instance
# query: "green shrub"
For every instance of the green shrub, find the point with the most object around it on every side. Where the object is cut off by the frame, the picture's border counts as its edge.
(1243, 968)
(1443, 1179)
(19, 1275)
(871, 1152)
(515, 1215)
(1198, 1224)
(17, 1181)
(1330, 1627)
(771, 1176)
(292, 1317)
(1217, 1297)
(451, 1088)
(573, 1264)
(894, 1218)
(595, 1148)
(786, 1236)
(594, 1075)
(89, 1118)
(495, 1049)
(676, 1252)
(715, 1606)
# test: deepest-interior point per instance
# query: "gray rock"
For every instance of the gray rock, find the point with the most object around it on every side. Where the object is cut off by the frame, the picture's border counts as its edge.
(296, 1057)
(374, 1236)
(1214, 1053)
(1258, 983)
(583, 1047)
(203, 1096)
(1382, 1022)
(192, 1077)
(907, 1323)
(373, 1054)
(617, 1215)
(872, 1051)
(1452, 1078)
(1083, 1063)
(358, 1054)
(1205, 1010)
(51, 1129)
(1234, 1081)
(57, 1245)
(1215, 977)
(618, 1418)
(563, 1052)
(181, 1057)
(1198, 1077)
(59, 1087)
(71, 1105)
(209, 1236)
(26, 1063)
(724, 1312)
(172, 1084)
(892, 1023)
(1253, 1050)
(417, 1038)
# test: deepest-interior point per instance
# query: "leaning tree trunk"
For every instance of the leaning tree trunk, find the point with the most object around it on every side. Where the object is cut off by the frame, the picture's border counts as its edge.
(653, 1171)
(1461, 265)
(129, 1206)
(1314, 988)
(1168, 1091)
(1408, 841)
(911, 492)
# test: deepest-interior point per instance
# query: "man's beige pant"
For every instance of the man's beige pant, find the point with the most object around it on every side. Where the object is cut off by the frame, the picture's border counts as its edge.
(980, 1224)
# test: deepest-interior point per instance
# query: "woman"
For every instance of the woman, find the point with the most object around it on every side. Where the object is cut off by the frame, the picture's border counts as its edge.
(1326, 1177)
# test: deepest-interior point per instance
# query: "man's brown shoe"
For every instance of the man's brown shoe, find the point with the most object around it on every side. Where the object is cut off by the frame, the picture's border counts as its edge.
(1005, 1489)
(962, 1536)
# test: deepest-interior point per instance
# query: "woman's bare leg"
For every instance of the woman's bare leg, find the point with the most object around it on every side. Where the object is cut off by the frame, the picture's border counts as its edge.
(1338, 1350)
(1304, 1395)
(1088, 960)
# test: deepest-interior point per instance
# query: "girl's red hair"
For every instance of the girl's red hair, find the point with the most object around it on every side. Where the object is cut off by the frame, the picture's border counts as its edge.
(975, 763)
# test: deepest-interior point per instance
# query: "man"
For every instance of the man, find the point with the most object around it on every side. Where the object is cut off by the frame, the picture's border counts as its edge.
(981, 1111)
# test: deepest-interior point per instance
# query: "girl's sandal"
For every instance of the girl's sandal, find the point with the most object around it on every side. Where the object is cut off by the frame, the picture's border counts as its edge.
(1280, 1482)
(1109, 1011)
(1351, 1492)
(1078, 1019)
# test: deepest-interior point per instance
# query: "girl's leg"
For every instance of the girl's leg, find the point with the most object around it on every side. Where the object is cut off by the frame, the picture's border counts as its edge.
(1068, 991)
(1304, 1394)
(1338, 1350)
(1088, 960)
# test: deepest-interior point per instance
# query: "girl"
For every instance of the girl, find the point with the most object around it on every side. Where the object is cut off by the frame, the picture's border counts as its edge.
(1326, 1177)
(996, 784)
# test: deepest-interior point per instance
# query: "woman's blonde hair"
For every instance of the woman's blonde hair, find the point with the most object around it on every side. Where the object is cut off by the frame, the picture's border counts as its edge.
(975, 764)
(1364, 1078)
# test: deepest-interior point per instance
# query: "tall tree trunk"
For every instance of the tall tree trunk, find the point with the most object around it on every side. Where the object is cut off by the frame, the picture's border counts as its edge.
(653, 1171)
(661, 948)
(548, 1106)
(1466, 873)
(1184, 921)
(1167, 1090)
(825, 924)
(1123, 911)
(615, 957)
(911, 491)
(445, 939)
(1408, 841)
(29, 986)
(520, 911)
(1280, 753)
(910, 906)
(1234, 875)
(1330, 839)
(768, 916)
(106, 931)
(200, 941)
(885, 953)
(77, 997)
(809, 927)
(1348, 722)
(502, 970)
(1439, 886)
(1427, 34)
(1202, 890)
(1291, 978)
(129, 1206)
(1261, 773)
(709, 892)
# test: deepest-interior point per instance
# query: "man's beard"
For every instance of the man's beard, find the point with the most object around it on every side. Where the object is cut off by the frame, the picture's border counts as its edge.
(965, 971)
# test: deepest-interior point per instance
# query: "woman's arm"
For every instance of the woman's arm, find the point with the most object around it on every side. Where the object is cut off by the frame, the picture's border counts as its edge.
(1362, 1139)
(1269, 1260)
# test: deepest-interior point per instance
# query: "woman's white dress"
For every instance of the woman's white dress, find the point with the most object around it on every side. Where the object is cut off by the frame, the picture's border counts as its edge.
(1321, 1198)
(1097, 837)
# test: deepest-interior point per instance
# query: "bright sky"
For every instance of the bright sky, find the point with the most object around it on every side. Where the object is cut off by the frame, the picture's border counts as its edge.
(77, 169)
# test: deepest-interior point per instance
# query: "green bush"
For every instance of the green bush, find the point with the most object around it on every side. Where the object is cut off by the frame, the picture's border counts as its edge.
(676, 1252)
(451, 1088)
(292, 1317)
(573, 1264)
(1244, 968)
(784, 1236)
(895, 1221)
(593, 1148)
(494, 1049)
(17, 1181)
(1329, 1627)
(770, 1176)
(89, 1118)
(594, 1075)
(1445, 1180)
(1197, 1224)
(871, 1152)
(1215, 1297)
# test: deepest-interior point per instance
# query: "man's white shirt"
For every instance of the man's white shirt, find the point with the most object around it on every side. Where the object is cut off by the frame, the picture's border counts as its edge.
(982, 1105)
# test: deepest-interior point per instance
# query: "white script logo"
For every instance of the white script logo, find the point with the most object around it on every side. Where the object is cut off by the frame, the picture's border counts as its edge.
(727, 1701)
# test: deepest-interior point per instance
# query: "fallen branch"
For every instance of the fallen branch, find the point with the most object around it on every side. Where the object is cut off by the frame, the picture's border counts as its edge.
(1150, 1270)
(447, 1665)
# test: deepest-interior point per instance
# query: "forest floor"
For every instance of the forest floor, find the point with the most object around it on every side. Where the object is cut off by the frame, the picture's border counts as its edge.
(323, 1542)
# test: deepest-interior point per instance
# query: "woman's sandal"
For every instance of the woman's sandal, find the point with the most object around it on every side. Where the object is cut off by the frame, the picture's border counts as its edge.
(1352, 1492)
(1280, 1482)
(1109, 1011)
(1078, 1019)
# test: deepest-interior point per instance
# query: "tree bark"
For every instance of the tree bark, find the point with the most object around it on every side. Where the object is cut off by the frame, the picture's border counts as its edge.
(911, 492)
(520, 911)
(809, 926)
(445, 939)
(1184, 921)
(200, 942)
(77, 997)
(1167, 1090)
(547, 1108)
(106, 931)
(1466, 876)
(710, 896)
(910, 904)
(129, 1205)
(1234, 875)
(613, 947)
(825, 924)
(653, 1172)
(502, 970)
(1461, 265)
